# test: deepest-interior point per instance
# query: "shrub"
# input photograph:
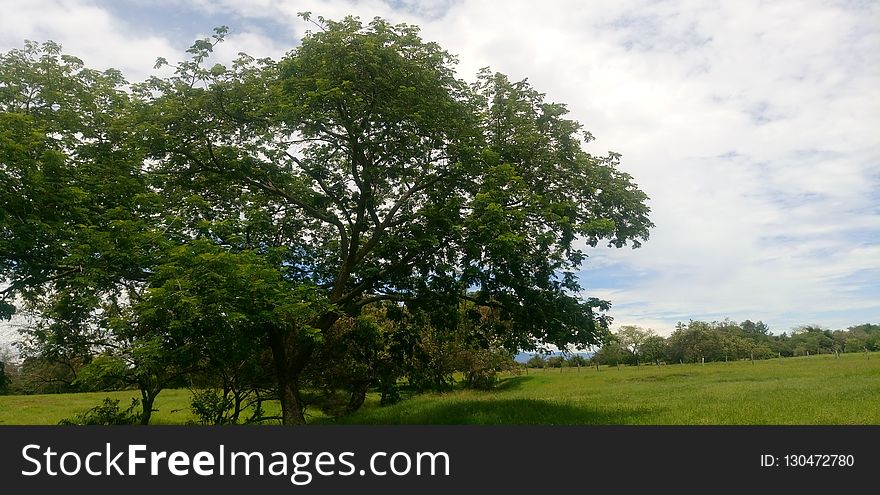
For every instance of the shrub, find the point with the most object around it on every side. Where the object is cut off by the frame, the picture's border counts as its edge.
(107, 413)
(211, 407)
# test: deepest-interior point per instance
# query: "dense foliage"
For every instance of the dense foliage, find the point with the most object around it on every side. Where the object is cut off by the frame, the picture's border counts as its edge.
(348, 217)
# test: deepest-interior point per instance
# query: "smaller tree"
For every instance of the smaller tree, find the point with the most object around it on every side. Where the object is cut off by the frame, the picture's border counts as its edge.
(755, 329)
(556, 361)
(536, 361)
(632, 338)
(611, 353)
(812, 339)
(146, 363)
(654, 348)
(578, 360)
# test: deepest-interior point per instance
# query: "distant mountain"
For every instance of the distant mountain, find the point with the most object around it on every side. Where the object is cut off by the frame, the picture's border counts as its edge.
(524, 357)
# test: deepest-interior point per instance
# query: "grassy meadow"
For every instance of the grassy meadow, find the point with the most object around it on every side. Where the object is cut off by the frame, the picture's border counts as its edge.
(805, 390)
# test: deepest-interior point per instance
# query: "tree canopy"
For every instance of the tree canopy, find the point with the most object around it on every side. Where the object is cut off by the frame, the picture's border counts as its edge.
(254, 206)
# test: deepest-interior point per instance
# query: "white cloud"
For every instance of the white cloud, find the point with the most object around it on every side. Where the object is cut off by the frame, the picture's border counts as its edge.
(254, 44)
(752, 125)
(86, 30)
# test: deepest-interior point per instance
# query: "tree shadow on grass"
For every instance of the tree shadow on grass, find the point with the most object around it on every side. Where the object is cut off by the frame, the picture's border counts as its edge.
(512, 383)
(508, 412)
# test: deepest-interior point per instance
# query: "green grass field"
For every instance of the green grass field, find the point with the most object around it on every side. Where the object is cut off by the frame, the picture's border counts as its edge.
(810, 390)
(172, 405)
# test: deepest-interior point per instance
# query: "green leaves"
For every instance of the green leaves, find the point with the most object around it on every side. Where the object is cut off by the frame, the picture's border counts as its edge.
(260, 202)
(388, 176)
(6, 310)
(71, 186)
(204, 293)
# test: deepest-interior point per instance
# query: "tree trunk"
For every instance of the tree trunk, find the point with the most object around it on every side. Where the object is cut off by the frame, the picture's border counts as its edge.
(291, 356)
(148, 396)
(288, 386)
(291, 404)
(239, 402)
(357, 398)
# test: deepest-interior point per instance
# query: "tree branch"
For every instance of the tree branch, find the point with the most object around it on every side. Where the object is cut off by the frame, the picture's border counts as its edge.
(387, 222)
(324, 187)
(367, 282)
(383, 297)
(271, 188)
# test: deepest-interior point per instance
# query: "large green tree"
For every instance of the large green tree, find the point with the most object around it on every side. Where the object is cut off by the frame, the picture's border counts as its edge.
(378, 175)
(261, 202)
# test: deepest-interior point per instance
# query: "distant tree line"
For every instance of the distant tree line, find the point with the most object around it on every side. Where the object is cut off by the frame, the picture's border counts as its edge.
(558, 361)
(728, 340)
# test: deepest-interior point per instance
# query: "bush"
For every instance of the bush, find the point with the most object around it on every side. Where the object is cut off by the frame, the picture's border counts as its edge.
(107, 413)
(481, 366)
(390, 394)
(211, 407)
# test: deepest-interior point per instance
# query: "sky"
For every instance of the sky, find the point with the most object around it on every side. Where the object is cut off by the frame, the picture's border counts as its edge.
(754, 126)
